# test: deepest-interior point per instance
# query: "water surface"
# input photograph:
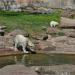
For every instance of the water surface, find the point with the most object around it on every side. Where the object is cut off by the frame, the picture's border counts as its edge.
(38, 59)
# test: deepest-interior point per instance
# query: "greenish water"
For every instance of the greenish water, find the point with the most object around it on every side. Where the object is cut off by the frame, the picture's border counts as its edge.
(37, 59)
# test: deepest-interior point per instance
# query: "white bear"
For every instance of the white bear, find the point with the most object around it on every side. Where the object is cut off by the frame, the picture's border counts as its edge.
(53, 24)
(20, 40)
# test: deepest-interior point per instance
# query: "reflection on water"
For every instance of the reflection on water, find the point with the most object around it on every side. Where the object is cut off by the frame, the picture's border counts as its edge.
(43, 60)
(6, 61)
(37, 59)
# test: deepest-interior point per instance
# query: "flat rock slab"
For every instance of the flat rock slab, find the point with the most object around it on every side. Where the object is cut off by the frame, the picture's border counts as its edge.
(17, 70)
(67, 23)
(65, 69)
(6, 52)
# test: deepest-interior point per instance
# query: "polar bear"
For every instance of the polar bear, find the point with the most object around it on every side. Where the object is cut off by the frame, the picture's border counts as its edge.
(53, 24)
(24, 42)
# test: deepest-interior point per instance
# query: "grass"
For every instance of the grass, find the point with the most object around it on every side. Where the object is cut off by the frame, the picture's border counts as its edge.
(28, 22)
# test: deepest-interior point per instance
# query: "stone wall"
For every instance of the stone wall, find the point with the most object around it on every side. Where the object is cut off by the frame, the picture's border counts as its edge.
(51, 3)
(59, 3)
(54, 3)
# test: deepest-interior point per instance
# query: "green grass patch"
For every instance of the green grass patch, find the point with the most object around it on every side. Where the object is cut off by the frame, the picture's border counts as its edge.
(25, 21)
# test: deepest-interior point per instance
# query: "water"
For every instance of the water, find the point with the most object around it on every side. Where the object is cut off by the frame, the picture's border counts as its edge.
(52, 62)
(37, 59)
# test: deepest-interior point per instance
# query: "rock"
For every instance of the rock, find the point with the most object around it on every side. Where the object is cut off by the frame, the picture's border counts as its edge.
(11, 48)
(71, 15)
(18, 31)
(16, 8)
(61, 39)
(68, 32)
(60, 47)
(45, 10)
(2, 32)
(65, 44)
(36, 36)
(42, 10)
(8, 41)
(17, 70)
(29, 8)
(52, 31)
(51, 48)
(52, 42)
(59, 42)
(44, 28)
(44, 70)
(65, 14)
(67, 23)
(45, 37)
(38, 70)
(42, 36)
(68, 14)
(3, 27)
(64, 69)
(71, 35)
(49, 37)
(46, 46)
(71, 41)
(42, 45)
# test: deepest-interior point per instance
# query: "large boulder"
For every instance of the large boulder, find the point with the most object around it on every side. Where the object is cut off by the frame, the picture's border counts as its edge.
(17, 70)
(68, 13)
(57, 44)
(60, 47)
(71, 41)
(61, 39)
(52, 31)
(17, 31)
(64, 69)
(67, 23)
(64, 44)
(36, 36)
(42, 10)
(45, 46)
(69, 32)
(72, 35)
(14, 7)
(45, 10)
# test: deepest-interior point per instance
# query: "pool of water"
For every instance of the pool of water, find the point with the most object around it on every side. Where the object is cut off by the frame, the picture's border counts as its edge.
(37, 59)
